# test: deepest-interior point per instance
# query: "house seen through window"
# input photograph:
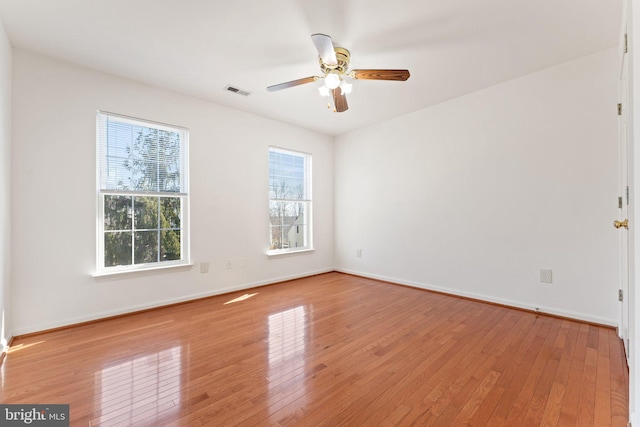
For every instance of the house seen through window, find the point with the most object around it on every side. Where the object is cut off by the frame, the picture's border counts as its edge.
(289, 201)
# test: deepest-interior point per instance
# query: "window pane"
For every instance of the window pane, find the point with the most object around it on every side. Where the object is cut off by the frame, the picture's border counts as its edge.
(117, 248)
(170, 245)
(286, 176)
(287, 225)
(146, 213)
(170, 208)
(146, 249)
(117, 213)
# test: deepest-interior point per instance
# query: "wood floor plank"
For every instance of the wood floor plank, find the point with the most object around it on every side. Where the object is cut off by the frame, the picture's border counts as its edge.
(619, 381)
(587, 400)
(328, 350)
(566, 344)
(602, 410)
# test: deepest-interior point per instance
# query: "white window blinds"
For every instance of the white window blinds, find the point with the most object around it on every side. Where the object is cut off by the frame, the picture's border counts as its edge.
(140, 157)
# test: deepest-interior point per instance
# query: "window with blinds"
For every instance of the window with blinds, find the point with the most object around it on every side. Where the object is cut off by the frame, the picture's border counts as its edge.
(289, 201)
(142, 194)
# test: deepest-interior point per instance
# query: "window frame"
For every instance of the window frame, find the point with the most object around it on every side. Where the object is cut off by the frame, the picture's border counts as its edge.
(306, 200)
(182, 195)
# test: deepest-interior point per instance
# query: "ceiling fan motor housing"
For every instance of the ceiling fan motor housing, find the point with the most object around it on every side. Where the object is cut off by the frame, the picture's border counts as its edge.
(343, 56)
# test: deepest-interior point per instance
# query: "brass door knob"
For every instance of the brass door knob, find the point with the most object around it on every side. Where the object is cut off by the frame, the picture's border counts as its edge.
(621, 224)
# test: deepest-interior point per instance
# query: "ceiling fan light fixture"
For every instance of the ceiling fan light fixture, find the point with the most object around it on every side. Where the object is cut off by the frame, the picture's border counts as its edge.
(332, 81)
(324, 91)
(346, 87)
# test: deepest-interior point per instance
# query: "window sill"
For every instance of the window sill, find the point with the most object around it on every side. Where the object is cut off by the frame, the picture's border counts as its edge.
(142, 270)
(289, 252)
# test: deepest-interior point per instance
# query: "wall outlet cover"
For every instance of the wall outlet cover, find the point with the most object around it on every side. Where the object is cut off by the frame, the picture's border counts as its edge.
(204, 267)
(546, 276)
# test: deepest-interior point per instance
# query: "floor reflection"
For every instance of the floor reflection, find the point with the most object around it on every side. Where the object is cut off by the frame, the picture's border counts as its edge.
(140, 388)
(287, 334)
(287, 362)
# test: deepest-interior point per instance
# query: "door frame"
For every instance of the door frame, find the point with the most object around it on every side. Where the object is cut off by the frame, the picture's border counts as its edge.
(624, 205)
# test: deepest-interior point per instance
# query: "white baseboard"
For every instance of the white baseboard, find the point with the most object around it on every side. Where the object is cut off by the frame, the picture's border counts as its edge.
(161, 303)
(510, 303)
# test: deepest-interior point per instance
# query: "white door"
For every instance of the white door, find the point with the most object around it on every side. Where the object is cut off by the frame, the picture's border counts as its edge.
(622, 223)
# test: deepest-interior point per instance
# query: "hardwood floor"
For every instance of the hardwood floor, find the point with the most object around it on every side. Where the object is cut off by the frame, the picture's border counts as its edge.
(330, 350)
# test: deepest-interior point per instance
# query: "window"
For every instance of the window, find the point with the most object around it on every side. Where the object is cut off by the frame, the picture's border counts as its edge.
(142, 194)
(289, 201)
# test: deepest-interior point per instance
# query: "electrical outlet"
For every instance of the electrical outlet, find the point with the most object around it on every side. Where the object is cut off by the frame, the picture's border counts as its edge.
(359, 253)
(229, 264)
(546, 276)
(204, 267)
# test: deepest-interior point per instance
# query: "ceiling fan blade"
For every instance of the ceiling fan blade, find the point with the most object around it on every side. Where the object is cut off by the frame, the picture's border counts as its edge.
(292, 83)
(325, 48)
(339, 100)
(399, 75)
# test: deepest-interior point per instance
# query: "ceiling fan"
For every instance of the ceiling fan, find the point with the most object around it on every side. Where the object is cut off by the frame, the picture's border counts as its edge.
(334, 64)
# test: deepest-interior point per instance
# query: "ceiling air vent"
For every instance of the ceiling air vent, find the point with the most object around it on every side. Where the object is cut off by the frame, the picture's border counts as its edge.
(236, 90)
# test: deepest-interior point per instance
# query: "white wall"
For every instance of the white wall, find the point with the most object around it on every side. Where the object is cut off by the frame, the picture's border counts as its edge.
(54, 200)
(474, 196)
(5, 186)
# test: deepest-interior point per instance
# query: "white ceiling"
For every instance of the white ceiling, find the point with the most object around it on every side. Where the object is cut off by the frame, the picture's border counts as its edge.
(451, 47)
